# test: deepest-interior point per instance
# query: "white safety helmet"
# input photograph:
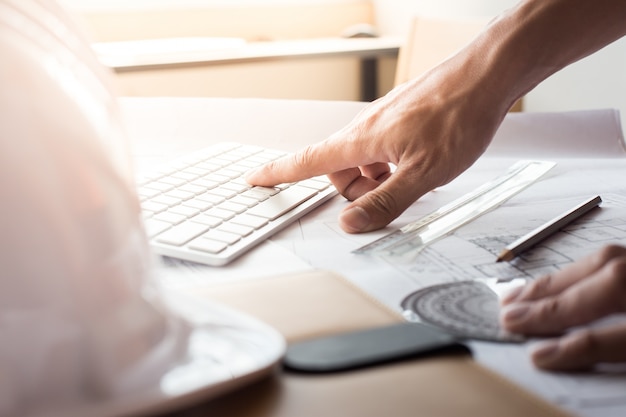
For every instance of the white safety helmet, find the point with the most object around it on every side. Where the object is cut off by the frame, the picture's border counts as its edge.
(78, 319)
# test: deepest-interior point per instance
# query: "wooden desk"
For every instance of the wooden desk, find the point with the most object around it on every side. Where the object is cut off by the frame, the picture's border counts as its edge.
(300, 306)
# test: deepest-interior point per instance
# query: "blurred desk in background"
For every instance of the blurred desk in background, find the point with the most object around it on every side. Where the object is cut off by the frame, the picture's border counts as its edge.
(170, 57)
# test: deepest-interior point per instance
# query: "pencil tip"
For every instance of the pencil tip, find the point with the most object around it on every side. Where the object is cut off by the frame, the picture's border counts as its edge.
(505, 255)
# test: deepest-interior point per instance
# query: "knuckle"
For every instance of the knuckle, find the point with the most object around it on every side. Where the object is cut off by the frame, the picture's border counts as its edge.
(616, 274)
(383, 203)
(303, 158)
(540, 286)
(607, 253)
(550, 312)
(583, 343)
(268, 167)
(617, 270)
(263, 174)
(551, 306)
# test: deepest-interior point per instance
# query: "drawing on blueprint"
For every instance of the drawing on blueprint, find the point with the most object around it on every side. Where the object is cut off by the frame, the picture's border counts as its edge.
(470, 252)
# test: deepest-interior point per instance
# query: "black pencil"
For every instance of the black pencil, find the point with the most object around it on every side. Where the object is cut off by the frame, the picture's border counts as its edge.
(548, 229)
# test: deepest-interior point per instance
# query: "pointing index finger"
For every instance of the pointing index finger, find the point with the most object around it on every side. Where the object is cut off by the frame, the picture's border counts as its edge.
(311, 161)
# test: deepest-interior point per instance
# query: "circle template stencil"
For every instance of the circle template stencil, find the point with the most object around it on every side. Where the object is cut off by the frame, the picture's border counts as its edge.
(466, 308)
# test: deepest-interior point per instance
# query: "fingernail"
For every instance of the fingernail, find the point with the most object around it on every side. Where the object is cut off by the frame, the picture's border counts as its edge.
(354, 219)
(514, 312)
(544, 352)
(511, 295)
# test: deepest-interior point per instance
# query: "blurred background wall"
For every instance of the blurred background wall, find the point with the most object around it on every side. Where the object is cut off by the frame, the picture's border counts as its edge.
(595, 82)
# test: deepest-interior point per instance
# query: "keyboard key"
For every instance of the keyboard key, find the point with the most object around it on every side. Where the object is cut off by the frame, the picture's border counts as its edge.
(245, 201)
(167, 200)
(248, 220)
(221, 213)
(194, 189)
(176, 182)
(220, 179)
(230, 173)
(223, 192)
(222, 236)
(283, 202)
(234, 207)
(211, 198)
(230, 157)
(222, 161)
(184, 210)
(208, 166)
(203, 182)
(253, 193)
(148, 192)
(315, 184)
(207, 245)
(269, 191)
(198, 204)
(171, 218)
(154, 227)
(183, 233)
(237, 188)
(236, 229)
(197, 171)
(183, 195)
(248, 164)
(208, 220)
(160, 186)
(189, 176)
(153, 207)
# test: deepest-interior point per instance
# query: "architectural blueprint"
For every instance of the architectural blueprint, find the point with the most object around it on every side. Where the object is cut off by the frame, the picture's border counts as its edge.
(470, 252)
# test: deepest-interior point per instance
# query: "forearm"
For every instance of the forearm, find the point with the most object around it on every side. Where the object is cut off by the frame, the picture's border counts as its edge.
(530, 42)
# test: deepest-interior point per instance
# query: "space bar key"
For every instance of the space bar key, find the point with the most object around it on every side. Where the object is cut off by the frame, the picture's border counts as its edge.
(282, 202)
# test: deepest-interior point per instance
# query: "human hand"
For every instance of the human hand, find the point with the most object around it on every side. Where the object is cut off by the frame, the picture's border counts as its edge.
(431, 129)
(434, 127)
(589, 289)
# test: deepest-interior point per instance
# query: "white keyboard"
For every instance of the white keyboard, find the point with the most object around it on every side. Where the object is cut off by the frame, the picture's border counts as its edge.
(200, 208)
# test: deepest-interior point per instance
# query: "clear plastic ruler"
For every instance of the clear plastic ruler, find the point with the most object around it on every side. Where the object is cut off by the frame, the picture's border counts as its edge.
(415, 236)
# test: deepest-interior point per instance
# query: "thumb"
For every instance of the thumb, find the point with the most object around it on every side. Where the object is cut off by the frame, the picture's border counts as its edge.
(380, 206)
